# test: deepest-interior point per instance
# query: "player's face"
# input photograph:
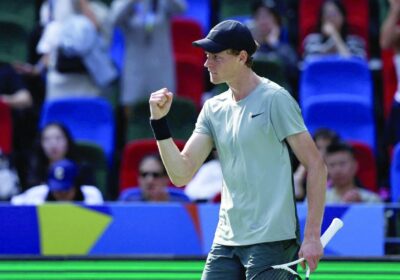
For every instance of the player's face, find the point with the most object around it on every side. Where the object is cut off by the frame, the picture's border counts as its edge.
(222, 66)
(153, 180)
(342, 168)
(54, 143)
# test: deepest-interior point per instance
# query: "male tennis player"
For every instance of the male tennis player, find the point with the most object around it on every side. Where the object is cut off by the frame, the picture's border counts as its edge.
(252, 125)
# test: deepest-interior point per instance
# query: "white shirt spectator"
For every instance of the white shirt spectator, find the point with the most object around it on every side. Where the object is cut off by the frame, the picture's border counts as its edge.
(37, 195)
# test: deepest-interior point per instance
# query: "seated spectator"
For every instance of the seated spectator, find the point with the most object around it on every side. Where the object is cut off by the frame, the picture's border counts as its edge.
(333, 37)
(9, 181)
(153, 184)
(55, 143)
(62, 184)
(207, 182)
(342, 168)
(267, 31)
(390, 39)
(323, 137)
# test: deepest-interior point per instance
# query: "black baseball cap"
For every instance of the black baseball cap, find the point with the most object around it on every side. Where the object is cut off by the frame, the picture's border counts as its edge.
(229, 34)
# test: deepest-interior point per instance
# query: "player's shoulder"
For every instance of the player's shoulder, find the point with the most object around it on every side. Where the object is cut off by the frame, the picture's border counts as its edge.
(271, 89)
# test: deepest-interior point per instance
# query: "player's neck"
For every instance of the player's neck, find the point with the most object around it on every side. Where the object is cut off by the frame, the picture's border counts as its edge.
(244, 84)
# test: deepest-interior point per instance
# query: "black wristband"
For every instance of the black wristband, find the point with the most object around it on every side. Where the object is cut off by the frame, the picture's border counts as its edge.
(160, 128)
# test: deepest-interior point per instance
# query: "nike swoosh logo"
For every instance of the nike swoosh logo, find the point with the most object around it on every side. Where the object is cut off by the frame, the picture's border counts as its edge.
(255, 115)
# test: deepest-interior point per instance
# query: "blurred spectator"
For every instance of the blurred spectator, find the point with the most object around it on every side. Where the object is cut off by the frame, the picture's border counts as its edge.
(13, 91)
(54, 143)
(207, 182)
(73, 49)
(153, 184)
(342, 169)
(390, 38)
(62, 185)
(267, 31)
(332, 35)
(15, 94)
(323, 137)
(148, 58)
(9, 181)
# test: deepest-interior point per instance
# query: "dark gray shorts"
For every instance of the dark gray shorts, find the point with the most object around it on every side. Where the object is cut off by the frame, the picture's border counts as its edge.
(243, 262)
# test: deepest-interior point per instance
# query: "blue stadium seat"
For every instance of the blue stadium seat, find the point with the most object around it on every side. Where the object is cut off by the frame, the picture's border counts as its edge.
(88, 119)
(395, 175)
(135, 194)
(350, 116)
(199, 10)
(336, 75)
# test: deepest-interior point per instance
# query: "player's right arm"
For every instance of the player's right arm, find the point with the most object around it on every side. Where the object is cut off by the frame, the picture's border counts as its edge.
(180, 166)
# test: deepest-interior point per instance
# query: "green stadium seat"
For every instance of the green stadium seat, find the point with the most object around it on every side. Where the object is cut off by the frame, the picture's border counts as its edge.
(21, 12)
(234, 9)
(13, 42)
(181, 119)
(92, 156)
(271, 69)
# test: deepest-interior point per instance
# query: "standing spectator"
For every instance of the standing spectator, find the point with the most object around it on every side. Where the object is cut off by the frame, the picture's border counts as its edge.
(74, 51)
(148, 57)
(62, 184)
(153, 184)
(390, 38)
(332, 35)
(342, 169)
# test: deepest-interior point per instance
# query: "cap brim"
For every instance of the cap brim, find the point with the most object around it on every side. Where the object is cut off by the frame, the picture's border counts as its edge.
(209, 45)
(56, 185)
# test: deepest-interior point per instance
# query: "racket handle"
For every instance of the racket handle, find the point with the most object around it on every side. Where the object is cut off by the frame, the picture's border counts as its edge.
(331, 231)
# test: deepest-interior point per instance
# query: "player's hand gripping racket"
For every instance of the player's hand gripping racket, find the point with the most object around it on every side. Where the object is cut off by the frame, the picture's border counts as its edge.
(284, 272)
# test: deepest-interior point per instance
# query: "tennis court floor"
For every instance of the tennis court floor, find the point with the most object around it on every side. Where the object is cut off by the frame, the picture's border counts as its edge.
(173, 269)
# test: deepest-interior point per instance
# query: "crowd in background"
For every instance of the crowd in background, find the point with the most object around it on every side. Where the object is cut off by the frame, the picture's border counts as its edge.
(122, 50)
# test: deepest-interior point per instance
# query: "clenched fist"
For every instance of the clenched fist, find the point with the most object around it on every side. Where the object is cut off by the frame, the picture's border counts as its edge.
(160, 103)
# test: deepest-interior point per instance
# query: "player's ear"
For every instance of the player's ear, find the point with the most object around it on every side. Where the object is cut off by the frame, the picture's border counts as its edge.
(243, 56)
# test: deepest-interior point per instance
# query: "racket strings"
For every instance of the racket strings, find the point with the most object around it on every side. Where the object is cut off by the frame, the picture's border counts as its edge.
(276, 274)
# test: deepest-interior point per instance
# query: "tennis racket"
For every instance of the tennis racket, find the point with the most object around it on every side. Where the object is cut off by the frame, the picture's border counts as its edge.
(284, 272)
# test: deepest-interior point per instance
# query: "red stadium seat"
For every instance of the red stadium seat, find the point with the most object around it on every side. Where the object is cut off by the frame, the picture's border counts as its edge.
(6, 127)
(357, 15)
(389, 80)
(190, 78)
(367, 173)
(184, 32)
(131, 157)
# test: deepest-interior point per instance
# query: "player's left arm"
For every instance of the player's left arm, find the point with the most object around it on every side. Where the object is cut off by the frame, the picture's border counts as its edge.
(306, 151)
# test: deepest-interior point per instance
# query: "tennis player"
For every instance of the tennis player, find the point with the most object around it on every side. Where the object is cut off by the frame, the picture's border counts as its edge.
(252, 125)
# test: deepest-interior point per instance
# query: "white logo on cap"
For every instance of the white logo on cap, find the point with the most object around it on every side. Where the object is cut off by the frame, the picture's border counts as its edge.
(59, 173)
